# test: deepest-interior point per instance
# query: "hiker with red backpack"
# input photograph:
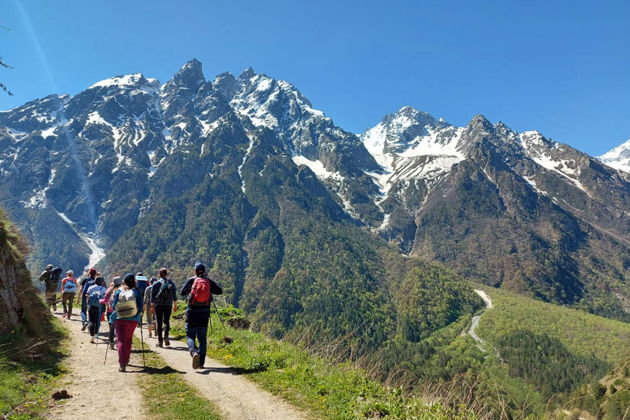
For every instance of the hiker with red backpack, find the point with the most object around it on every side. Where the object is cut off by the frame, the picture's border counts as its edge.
(199, 290)
(127, 306)
(163, 302)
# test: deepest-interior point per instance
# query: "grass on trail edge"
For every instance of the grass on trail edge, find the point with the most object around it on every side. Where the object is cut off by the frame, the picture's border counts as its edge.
(26, 385)
(311, 383)
(167, 395)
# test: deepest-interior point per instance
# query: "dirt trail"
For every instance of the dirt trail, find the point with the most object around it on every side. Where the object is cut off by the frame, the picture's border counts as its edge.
(475, 320)
(96, 388)
(235, 396)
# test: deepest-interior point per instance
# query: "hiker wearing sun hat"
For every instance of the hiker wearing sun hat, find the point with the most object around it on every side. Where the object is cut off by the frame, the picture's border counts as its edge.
(68, 290)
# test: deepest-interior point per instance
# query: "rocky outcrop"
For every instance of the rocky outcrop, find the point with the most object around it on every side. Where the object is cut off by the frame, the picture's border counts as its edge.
(13, 277)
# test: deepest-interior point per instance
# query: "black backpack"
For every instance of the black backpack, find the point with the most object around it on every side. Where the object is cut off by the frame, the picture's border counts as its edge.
(55, 275)
(163, 294)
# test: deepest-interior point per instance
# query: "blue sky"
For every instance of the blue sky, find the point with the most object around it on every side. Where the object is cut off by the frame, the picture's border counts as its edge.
(561, 67)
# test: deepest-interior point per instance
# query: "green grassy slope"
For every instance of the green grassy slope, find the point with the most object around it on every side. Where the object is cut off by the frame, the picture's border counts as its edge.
(582, 333)
(323, 389)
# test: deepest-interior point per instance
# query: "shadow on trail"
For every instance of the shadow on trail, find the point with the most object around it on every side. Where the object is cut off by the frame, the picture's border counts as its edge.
(178, 348)
(149, 370)
(231, 370)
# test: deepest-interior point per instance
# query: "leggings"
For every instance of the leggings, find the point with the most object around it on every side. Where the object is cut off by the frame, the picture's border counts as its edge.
(112, 332)
(95, 320)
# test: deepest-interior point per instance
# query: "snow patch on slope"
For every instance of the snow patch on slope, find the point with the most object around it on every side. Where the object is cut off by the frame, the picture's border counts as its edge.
(538, 149)
(317, 167)
(426, 156)
(240, 167)
(90, 239)
(38, 199)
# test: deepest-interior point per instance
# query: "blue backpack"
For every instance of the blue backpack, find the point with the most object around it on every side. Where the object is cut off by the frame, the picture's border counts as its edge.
(95, 297)
(70, 286)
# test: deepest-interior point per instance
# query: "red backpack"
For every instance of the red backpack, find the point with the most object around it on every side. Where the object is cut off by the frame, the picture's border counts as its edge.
(200, 293)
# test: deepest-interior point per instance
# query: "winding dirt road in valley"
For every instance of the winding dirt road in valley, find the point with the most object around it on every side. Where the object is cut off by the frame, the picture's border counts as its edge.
(475, 320)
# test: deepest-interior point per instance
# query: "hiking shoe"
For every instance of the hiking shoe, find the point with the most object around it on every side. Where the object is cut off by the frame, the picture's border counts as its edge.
(195, 361)
(83, 327)
(160, 344)
(112, 346)
(92, 339)
(122, 369)
(166, 342)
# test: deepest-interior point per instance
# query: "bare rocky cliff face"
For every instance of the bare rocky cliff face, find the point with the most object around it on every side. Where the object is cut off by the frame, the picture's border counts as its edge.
(14, 278)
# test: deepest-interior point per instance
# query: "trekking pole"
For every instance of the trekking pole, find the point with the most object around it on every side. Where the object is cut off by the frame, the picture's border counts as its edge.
(216, 309)
(107, 348)
(210, 319)
(144, 365)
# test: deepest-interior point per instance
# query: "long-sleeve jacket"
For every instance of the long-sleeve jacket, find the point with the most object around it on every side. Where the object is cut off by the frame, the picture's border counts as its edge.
(215, 289)
(107, 299)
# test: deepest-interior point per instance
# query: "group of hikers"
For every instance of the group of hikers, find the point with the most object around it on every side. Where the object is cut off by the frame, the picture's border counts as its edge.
(128, 299)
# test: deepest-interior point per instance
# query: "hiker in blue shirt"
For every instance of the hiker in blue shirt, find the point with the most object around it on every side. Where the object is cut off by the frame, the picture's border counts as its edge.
(85, 283)
(95, 294)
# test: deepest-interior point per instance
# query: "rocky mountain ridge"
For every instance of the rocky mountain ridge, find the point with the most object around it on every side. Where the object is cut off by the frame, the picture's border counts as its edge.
(514, 209)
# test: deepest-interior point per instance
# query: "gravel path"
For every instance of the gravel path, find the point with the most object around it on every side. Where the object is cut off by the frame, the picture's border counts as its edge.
(97, 389)
(235, 396)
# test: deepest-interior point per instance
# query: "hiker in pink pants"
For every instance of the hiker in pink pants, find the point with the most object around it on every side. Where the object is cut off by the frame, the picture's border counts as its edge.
(128, 307)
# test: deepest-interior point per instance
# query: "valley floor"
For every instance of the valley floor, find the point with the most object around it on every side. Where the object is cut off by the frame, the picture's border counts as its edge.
(98, 389)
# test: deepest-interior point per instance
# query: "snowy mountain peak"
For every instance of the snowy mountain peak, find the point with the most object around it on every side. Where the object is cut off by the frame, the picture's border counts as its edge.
(248, 73)
(190, 75)
(227, 84)
(619, 157)
(407, 116)
(126, 80)
(481, 123)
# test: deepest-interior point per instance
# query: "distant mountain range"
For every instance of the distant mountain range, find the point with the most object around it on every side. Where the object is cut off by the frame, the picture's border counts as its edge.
(91, 175)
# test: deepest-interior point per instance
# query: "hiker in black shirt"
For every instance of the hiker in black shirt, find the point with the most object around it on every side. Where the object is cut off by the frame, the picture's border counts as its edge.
(163, 301)
(199, 290)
